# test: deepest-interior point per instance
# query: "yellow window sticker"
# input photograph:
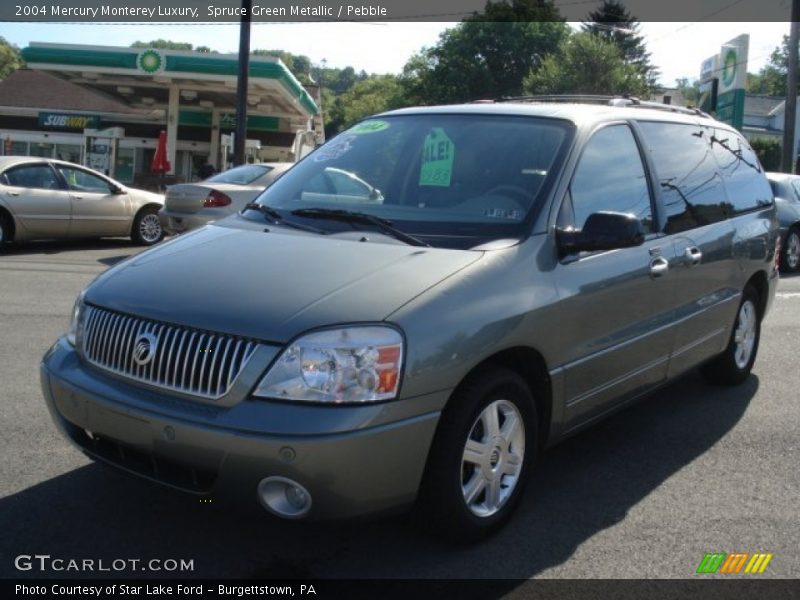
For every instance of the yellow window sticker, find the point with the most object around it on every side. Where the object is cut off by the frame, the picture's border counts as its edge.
(438, 154)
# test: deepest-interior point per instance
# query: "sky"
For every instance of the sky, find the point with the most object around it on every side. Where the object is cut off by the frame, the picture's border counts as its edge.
(677, 48)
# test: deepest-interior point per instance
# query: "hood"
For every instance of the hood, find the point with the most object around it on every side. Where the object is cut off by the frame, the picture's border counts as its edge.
(272, 285)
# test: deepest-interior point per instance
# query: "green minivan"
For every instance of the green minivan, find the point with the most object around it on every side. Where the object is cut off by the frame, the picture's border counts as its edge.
(485, 280)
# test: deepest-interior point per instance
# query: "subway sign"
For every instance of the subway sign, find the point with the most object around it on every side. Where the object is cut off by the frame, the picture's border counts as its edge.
(68, 121)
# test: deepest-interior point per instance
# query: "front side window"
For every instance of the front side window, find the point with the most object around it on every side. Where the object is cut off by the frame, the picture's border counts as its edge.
(32, 176)
(610, 177)
(453, 180)
(691, 187)
(79, 180)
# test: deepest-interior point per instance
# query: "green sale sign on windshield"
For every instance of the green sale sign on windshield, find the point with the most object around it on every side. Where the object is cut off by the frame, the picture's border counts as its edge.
(438, 154)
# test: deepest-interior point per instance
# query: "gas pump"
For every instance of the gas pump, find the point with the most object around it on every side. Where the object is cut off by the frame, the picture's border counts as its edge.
(252, 150)
(305, 141)
(226, 150)
(101, 147)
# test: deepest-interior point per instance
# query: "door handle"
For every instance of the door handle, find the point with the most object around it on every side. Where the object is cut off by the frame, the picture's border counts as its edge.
(13, 193)
(659, 267)
(77, 197)
(693, 256)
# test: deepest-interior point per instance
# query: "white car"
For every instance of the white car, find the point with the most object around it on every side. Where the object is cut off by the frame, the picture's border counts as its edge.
(42, 198)
(191, 205)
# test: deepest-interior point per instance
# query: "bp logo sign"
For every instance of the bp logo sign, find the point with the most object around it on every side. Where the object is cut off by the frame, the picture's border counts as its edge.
(729, 67)
(150, 61)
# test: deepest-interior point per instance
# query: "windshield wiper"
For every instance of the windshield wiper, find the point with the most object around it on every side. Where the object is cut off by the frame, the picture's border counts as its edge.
(276, 218)
(348, 216)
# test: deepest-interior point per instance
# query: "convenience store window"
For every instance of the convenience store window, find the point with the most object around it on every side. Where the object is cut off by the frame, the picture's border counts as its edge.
(42, 149)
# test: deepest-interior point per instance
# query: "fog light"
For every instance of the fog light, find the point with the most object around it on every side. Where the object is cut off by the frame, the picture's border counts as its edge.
(284, 497)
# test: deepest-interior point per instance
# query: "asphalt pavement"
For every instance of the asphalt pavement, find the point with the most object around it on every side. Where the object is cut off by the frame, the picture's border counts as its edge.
(646, 493)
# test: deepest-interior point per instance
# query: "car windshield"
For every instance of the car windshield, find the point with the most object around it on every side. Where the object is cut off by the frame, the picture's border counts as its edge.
(452, 180)
(240, 175)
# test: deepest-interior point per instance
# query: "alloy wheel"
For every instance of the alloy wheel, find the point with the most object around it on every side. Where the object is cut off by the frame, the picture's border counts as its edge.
(745, 334)
(792, 250)
(492, 458)
(150, 228)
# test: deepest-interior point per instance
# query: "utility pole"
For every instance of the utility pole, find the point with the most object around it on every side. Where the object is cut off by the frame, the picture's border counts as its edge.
(241, 84)
(789, 149)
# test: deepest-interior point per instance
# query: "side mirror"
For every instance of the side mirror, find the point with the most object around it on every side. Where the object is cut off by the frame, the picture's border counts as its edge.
(115, 189)
(601, 231)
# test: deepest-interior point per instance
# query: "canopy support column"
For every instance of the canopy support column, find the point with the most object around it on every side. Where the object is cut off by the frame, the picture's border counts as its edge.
(173, 107)
(213, 155)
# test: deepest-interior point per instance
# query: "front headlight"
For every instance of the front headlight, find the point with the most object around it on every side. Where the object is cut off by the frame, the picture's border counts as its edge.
(351, 364)
(75, 332)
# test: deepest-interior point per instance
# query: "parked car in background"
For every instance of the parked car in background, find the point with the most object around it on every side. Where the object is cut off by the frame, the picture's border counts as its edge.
(42, 199)
(191, 205)
(525, 270)
(787, 200)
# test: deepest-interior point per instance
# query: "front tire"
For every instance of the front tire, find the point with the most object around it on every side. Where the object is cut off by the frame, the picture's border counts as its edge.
(484, 448)
(735, 363)
(790, 254)
(147, 227)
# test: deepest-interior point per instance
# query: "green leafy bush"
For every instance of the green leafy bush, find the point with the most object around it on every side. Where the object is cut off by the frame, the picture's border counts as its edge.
(769, 152)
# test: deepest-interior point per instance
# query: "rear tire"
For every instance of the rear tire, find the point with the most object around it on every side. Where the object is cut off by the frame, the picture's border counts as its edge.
(5, 230)
(735, 363)
(484, 448)
(147, 227)
(790, 253)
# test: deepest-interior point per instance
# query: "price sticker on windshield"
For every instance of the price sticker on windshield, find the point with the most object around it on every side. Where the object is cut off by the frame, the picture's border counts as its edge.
(438, 154)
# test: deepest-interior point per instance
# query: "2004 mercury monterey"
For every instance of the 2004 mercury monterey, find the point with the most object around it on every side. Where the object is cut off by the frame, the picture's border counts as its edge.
(517, 271)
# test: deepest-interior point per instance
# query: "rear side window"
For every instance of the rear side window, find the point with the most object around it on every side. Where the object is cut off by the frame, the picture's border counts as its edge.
(33, 176)
(743, 175)
(691, 187)
(243, 175)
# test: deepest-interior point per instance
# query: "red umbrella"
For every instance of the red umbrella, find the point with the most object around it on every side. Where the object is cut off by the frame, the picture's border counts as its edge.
(160, 162)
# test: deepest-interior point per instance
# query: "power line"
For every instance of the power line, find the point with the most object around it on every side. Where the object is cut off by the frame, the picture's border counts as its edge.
(703, 18)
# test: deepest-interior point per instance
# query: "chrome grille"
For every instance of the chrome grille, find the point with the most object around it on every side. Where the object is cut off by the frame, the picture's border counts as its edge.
(185, 360)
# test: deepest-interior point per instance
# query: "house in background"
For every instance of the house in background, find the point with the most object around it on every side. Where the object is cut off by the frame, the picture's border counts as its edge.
(763, 116)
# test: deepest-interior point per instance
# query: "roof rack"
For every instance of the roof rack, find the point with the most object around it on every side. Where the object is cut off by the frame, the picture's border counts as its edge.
(626, 101)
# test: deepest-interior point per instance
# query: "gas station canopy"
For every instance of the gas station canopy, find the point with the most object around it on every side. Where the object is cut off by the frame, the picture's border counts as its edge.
(189, 87)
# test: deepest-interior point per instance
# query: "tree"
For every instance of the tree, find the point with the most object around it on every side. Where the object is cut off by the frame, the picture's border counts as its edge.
(613, 23)
(754, 84)
(10, 60)
(162, 44)
(376, 94)
(299, 64)
(690, 91)
(586, 64)
(487, 55)
(774, 74)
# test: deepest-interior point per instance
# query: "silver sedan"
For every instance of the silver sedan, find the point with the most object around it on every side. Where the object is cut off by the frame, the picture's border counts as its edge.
(191, 205)
(43, 199)
(787, 200)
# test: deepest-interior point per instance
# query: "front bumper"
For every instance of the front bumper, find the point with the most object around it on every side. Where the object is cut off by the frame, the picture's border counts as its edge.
(364, 465)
